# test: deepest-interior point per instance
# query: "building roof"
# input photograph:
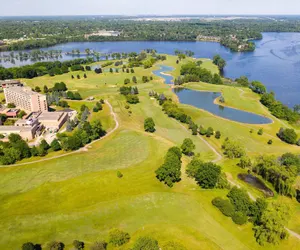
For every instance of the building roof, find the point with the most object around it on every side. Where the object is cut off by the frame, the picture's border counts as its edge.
(16, 129)
(66, 110)
(10, 128)
(22, 90)
(54, 116)
(10, 82)
(13, 110)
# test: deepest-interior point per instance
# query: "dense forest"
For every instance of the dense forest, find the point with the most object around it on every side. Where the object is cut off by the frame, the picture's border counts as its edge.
(233, 33)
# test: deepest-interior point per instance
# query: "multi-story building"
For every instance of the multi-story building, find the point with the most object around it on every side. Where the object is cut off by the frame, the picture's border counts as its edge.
(25, 98)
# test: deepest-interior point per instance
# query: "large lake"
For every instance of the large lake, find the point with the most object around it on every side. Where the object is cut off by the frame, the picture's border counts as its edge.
(275, 62)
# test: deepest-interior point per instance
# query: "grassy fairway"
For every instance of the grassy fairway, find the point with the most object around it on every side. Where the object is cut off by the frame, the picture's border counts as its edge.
(79, 196)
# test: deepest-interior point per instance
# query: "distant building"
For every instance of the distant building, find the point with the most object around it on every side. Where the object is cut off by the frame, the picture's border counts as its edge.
(25, 98)
(103, 33)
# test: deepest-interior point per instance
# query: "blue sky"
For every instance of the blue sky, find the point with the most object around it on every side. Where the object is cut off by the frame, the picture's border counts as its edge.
(158, 7)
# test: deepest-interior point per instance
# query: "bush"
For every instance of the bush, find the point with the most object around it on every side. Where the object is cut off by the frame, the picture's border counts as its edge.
(21, 114)
(233, 149)
(118, 237)
(145, 243)
(55, 245)
(55, 145)
(78, 245)
(240, 200)
(149, 125)
(270, 142)
(218, 135)
(95, 109)
(209, 132)
(245, 162)
(28, 246)
(260, 131)
(119, 174)
(287, 135)
(207, 175)
(170, 172)
(224, 206)
(202, 131)
(11, 105)
(132, 99)
(239, 218)
(99, 245)
(188, 146)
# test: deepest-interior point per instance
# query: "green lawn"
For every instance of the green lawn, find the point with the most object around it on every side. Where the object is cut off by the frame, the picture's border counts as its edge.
(79, 196)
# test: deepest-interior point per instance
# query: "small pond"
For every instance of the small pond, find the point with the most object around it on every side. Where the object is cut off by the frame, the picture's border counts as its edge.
(205, 100)
(257, 183)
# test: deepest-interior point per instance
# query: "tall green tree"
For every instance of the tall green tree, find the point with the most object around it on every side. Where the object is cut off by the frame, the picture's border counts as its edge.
(272, 225)
(149, 125)
(188, 146)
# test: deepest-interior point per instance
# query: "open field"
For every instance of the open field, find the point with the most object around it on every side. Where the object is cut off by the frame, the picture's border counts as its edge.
(80, 197)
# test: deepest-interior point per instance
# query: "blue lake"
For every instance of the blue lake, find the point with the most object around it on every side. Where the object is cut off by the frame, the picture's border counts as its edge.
(205, 100)
(275, 62)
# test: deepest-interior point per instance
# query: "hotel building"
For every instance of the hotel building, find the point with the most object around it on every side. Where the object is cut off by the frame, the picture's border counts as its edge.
(25, 98)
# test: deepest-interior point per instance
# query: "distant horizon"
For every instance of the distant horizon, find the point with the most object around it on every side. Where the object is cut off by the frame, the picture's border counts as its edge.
(154, 15)
(14, 8)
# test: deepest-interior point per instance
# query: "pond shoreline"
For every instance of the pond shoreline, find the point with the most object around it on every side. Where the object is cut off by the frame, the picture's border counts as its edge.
(161, 72)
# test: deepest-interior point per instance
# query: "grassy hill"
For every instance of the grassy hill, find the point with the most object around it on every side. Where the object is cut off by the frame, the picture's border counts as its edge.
(79, 196)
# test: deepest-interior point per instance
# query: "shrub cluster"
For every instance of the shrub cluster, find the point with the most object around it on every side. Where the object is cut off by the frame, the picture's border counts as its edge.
(240, 208)
(191, 72)
(233, 149)
(130, 94)
(224, 206)
(281, 174)
(278, 109)
(73, 95)
(149, 125)
(288, 135)
(98, 106)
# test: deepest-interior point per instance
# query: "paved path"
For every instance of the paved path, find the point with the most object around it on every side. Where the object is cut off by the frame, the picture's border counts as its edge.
(85, 148)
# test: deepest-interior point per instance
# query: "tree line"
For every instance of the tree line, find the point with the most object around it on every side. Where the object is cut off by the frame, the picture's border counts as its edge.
(116, 238)
(48, 32)
(42, 68)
